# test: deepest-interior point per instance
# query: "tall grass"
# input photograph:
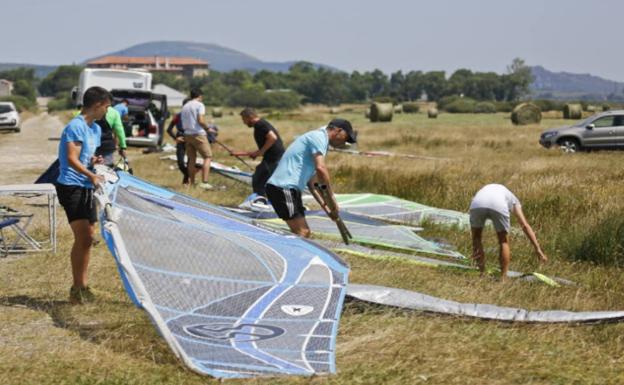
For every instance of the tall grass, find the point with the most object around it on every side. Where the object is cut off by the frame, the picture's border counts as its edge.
(571, 201)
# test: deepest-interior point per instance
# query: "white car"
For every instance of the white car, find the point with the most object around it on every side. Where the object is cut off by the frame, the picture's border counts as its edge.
(9, 117)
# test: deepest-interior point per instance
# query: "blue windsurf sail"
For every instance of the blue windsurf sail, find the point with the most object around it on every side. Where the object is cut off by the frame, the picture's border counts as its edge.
(230, 298)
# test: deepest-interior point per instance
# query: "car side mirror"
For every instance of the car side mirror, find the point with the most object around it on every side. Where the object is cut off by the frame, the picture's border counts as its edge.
(590, 127)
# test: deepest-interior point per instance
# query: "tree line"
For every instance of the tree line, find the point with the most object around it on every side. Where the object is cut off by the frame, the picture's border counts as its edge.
(304, 83)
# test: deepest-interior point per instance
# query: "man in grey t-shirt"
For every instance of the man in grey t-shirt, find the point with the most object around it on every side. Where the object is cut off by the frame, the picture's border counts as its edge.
(195, 137)
(496, 202)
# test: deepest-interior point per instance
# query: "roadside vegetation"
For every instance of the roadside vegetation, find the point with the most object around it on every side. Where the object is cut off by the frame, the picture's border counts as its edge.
(571, 201)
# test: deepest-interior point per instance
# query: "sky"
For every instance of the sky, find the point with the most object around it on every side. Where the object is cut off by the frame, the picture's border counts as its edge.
(481, 35)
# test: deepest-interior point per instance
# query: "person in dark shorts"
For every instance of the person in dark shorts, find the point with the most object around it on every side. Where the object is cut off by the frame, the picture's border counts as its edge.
(76, 182)
(176, 122)
(303, 164)
(270, 148)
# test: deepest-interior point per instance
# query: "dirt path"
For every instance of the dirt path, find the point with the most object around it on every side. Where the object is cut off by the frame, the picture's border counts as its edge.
(26, 155)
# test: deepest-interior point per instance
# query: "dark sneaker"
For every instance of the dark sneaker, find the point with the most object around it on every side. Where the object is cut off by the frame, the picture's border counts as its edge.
(79, 296)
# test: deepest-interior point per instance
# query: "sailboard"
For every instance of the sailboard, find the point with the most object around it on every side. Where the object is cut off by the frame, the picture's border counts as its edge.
(230, 299)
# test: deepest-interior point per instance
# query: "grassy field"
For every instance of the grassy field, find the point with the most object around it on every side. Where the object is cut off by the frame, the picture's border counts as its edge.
(572, 201)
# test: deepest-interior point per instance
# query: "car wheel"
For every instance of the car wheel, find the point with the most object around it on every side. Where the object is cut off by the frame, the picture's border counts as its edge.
(18, 129)
(569, 146)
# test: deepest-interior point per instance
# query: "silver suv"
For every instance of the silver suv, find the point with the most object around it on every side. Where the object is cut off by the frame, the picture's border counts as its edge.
(604, 130)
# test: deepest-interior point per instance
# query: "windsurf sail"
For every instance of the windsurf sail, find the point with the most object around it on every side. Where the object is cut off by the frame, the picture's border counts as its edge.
(231, 299)
(396, 210)
(417, 301)
(364, 231)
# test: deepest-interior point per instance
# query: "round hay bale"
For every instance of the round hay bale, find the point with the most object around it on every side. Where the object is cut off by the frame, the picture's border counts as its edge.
(572, 111)
(334, 110)
(217, 112)
(367, 113)
(526, 113)
(411, 108)
(606, 107)
(381, 112)
(432, 113)
(398, 109)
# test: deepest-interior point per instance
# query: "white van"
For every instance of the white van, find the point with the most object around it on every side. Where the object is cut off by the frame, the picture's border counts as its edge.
(111, 79)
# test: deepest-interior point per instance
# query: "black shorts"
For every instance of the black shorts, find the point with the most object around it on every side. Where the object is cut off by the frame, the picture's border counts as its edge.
(286, 202)
(78, 202)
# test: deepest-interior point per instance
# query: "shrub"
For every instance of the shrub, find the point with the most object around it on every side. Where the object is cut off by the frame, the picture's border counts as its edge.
(485, 108)
(445, 101)
(21, 103)
(504, 106)
(461, 105)
(548, 105)
(602, 244)
(60, 103)
(411, 108)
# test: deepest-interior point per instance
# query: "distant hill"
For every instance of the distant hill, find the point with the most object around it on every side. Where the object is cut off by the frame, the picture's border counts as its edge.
(220, 58)
(41, 71)
(565, 85)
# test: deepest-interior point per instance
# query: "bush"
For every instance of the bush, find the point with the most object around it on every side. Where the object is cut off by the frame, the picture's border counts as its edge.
(445, 101)
(485, 108)
(21, 103)
(60, 103)
(462, 106)
(602, 244)
(504, 106)
(548, 105)
(411, 108)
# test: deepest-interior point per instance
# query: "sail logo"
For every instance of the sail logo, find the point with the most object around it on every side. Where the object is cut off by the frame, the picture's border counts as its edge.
(297, 310)
(238, 333)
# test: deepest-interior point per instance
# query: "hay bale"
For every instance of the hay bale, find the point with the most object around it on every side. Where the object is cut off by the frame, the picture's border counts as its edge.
(526, 113)
(334, 110)
(432, 113)
(572, 111)
(606, 107)
(217, 112)
(381, 112)
(398, 109)
(411, 108)
(367, 112)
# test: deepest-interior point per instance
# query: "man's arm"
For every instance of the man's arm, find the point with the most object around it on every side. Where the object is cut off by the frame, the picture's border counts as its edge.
(528, 231)
(269, 141)
(73, 158)
(120, 133)
(322, 177)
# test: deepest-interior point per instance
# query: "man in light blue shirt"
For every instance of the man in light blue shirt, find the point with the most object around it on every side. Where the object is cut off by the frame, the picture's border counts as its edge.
(303, 164)
(122, 108)
(77, 181)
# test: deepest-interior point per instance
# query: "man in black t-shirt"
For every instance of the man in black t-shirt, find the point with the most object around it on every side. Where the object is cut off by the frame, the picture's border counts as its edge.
(270, 148)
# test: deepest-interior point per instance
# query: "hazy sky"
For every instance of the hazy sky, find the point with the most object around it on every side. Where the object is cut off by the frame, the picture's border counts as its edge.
(482, 35)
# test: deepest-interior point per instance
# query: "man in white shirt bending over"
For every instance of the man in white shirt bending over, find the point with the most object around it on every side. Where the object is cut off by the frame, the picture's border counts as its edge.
(496, 202)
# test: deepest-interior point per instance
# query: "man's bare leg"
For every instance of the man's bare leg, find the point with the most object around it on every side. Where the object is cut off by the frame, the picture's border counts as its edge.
(477, 248)
(192, 170)
(299, 226)
(504, 253)
(206, 170)
(81, 250)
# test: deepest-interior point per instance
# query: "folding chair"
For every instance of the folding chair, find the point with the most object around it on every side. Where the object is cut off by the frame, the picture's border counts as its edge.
(6, 223)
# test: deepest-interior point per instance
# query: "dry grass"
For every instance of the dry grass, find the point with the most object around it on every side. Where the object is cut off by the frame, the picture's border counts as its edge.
(44, 340)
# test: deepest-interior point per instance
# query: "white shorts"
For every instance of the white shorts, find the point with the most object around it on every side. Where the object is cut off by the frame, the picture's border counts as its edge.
(500, 221)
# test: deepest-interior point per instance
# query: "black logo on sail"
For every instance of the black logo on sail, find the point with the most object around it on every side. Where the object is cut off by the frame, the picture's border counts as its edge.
(240, 333)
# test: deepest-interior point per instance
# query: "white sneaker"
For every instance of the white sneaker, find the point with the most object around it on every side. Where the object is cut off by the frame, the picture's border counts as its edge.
(206, 186)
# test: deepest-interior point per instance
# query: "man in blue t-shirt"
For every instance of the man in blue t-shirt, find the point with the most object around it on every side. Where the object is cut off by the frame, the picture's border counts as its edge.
(77, 181)
(303, 164)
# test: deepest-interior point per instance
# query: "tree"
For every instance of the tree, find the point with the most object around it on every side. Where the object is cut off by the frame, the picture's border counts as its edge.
(517, 80)
(60, 81)
(434, 84)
